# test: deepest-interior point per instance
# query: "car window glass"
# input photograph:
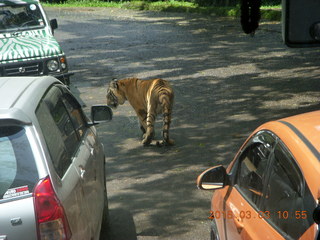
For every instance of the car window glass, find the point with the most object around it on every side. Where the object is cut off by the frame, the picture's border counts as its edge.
(268, 141)
(289, 202)
(75, 114)
(20, 17)
(18, 172)
(65, 125)
(8, 168)
(251, 170)
(54, 140)
(58, 130)
(251, 173)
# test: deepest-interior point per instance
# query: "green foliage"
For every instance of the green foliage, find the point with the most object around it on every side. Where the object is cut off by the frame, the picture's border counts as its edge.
(83, 3)
(271, 2)
(221, 3)
(216, 3)
(170, 6)
(271, 14)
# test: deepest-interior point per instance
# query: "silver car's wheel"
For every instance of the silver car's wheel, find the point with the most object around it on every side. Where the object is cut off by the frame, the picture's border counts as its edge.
(105, 216)
(105, 220)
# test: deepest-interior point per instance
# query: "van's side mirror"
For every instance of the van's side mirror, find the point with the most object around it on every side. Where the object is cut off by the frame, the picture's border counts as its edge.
(212, 179)
(53, 24)
(301, 23)
(100, 114)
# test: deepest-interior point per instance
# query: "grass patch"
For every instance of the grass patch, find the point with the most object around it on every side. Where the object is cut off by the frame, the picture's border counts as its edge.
(171, 6)
(272, 13)
(93, 3)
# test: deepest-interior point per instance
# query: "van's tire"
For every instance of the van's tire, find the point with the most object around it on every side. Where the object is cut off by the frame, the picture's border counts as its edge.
(66, 81)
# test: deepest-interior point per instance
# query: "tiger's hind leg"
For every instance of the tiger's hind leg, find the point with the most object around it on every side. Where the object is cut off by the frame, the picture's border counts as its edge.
(142, 115)
(142, 129)
(148, 136)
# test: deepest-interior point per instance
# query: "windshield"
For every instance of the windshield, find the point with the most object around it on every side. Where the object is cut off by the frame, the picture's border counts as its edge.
(20, 17)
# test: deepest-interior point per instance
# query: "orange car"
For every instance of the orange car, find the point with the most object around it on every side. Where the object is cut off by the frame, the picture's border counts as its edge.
(271, 190)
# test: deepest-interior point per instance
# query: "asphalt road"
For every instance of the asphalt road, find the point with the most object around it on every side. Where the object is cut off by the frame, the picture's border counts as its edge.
(226, 84)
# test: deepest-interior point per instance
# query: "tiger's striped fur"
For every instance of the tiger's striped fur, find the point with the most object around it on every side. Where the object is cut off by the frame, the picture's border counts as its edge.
(148, 98)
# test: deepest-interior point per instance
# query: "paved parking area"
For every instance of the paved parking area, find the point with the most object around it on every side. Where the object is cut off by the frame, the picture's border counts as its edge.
(226, 84)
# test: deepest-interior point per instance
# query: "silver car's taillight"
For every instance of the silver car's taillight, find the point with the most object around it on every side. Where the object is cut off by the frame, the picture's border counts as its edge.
(52, 222)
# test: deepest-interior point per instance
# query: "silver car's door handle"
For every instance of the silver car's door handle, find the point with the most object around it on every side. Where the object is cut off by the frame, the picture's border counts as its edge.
(91, 150)
(82, 172)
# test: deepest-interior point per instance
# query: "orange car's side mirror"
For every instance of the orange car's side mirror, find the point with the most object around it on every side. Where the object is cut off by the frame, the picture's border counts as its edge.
(212, 179)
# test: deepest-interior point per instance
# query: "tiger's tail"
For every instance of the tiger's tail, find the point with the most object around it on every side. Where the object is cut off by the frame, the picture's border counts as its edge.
(166, 102)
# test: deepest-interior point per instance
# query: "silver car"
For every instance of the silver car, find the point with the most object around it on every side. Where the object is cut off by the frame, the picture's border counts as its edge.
(52, 165)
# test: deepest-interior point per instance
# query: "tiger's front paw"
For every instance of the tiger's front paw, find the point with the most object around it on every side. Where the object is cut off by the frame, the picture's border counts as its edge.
(147, 140)
(170, 142)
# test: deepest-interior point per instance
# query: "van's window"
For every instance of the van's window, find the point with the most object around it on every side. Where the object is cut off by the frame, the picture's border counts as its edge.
(18, 171)
(17, 17)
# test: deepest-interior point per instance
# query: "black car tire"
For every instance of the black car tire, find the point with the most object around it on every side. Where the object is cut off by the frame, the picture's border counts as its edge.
(105, 215)
(66, 81)
(214, 231)
(105, 220)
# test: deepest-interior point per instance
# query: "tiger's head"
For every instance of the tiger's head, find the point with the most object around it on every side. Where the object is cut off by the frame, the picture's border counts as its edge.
(114, 95)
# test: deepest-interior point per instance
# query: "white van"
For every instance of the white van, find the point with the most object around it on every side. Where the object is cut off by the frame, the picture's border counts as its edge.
(27, 44)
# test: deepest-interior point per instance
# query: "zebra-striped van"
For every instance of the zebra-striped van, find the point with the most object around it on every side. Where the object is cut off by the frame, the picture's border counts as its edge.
(27, 45)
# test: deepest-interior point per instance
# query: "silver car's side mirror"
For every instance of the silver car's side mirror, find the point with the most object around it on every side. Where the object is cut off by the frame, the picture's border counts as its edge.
(100, 114)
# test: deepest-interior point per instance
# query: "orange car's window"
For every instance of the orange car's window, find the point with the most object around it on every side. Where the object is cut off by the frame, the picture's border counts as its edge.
(288, 199)
(252, 170)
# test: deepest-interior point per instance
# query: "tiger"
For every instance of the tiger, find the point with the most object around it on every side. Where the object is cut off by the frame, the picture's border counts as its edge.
(148, 98)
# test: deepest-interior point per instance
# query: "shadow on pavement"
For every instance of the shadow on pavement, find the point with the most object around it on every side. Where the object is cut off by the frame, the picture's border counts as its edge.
(121, 225)
(226, 84)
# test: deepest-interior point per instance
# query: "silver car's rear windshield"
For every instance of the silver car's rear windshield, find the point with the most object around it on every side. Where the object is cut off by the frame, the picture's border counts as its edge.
(20, 17)
(18, 172)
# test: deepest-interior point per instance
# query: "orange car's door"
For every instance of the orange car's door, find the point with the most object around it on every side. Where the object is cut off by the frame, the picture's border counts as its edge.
(244, 222)
(268, 197)
(244, 218)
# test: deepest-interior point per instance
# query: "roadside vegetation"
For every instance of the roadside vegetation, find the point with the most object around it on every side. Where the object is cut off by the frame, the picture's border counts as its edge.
(270, 10)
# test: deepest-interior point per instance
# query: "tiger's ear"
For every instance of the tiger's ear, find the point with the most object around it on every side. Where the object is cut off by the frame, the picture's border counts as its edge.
(114, 84)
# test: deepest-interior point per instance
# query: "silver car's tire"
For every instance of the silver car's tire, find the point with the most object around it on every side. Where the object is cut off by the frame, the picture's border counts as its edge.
(105, 216)
(105, 220)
